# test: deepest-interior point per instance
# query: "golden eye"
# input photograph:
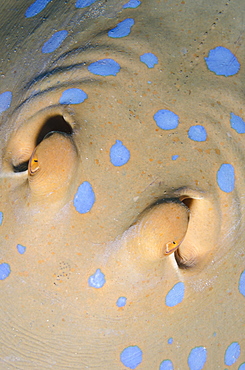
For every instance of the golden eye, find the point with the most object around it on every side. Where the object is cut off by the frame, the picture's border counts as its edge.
(52, 165)
(33, 164)
(170, 247)
(160, 230)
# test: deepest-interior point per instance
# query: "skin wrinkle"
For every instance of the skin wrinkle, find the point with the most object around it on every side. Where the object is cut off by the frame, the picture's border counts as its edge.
(70, 78)
(118, 54)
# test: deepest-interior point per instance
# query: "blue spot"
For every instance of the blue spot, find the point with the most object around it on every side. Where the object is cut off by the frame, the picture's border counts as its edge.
(237, 123)
(197, 133)
(174, 157)
(149, 59)
(222, 62)
(73, 96)
(1, 218)
(122, 29)
(226, 177)
(131, 357)
(84, 198)
(197, 358)
(166, 365)
(104, 67)
(36, 8)
(242, 283)
(84, 3)
(121, 302)
(175, 295)
(119, 154)
(170, 340)
(97, 280)
(21, 249)
(5, 101)
(166, 120)
(242, 366)
(4, 270)
(54, 42)
(132, 4)
(232, 353)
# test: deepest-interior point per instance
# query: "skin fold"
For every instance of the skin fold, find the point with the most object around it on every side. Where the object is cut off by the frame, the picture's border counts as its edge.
(122, 185)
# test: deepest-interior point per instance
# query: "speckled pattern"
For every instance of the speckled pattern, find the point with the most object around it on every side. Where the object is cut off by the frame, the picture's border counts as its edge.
(122, 185)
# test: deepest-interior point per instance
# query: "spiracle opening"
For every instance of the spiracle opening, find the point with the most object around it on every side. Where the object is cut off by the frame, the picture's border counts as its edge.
(56, 123)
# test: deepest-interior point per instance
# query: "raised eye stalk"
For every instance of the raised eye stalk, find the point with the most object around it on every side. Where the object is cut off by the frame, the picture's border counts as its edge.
(160, 230)
(52, 166)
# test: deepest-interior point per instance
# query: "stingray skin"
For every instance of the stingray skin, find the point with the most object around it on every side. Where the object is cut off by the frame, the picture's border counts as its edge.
(122, 207)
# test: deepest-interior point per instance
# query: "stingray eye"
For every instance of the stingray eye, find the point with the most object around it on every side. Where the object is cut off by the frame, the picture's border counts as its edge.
(160, 230)
(33, 164)
(170, 247)
(51, 166)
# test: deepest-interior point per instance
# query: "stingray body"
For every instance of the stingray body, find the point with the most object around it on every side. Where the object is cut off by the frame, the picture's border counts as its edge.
(122, 185)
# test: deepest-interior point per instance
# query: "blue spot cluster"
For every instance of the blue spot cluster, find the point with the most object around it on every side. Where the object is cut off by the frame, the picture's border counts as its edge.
(97, 280)
(73, 96)
(226, 177)
(241, 285)
(232, 353)
(36, 7)
(104, 67)
(54, 42)
(175, 295)
(197, 133)
(123, 29)
(84, 198)
(84, 3)
(237, 123)
(132, 4)
(222, 62)
(121, 302)
(5, 101)
(166, 120)
(21, 249)
(149, 59)
(119, 154)
(4, 270)
(166, 365)
(197, 358)
(131, 357)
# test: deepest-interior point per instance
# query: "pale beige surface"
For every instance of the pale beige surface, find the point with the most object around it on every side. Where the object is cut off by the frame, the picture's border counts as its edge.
(50, 317)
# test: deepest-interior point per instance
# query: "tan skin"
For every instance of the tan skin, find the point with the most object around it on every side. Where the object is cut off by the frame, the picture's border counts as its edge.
(155, 222)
